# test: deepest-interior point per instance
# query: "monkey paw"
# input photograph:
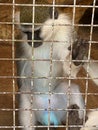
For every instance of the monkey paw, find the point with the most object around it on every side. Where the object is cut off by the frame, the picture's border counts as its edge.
(79, 50)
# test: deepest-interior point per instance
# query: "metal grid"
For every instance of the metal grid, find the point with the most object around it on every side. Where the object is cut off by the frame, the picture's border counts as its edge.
(14, 109)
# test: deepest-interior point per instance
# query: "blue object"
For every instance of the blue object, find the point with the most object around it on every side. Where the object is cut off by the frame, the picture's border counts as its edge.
(52, 116)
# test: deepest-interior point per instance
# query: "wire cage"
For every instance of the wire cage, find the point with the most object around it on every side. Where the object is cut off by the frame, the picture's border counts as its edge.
(33, 14)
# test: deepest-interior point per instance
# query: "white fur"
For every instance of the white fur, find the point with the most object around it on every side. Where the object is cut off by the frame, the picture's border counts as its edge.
(26, 116)
(92, 122)
(93, 71)
(61, 32)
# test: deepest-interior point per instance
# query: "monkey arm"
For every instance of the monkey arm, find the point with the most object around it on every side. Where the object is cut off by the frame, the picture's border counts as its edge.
(92, 71)
(79, 52)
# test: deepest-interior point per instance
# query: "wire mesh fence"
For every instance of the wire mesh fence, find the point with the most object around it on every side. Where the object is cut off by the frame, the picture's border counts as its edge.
(46, 95)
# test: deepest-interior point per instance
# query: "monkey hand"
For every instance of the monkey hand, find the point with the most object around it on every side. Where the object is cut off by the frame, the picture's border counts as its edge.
(79, 50)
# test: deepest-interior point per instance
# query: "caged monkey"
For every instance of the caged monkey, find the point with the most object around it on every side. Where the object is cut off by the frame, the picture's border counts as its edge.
(60, 35)
(42, 69)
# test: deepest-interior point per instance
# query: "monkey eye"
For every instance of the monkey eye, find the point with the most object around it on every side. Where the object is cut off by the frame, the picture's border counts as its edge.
(55, 13)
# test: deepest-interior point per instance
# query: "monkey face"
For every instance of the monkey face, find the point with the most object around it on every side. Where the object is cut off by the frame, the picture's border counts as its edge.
(37, 38)
(37, 32)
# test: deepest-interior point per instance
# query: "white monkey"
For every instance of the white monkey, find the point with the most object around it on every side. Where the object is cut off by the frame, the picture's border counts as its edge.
(38, 65)
(92, 121)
